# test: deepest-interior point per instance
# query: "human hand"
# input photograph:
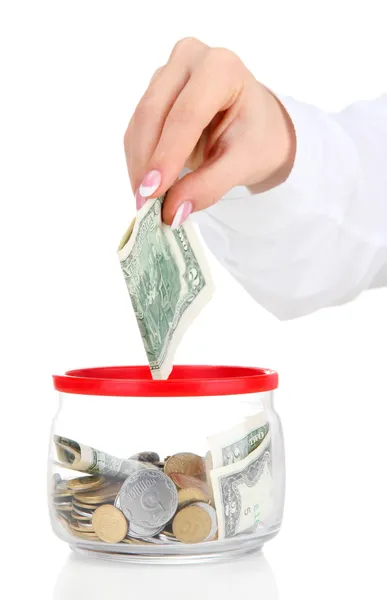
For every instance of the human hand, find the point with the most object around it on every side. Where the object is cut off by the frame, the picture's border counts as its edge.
(206, 111)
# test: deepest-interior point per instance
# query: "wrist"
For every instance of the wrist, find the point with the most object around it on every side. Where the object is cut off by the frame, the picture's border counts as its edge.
(281, 145)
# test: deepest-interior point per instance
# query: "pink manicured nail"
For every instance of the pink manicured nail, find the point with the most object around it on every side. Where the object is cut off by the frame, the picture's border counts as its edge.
(182, 213)
(150, 183)
(140, 200)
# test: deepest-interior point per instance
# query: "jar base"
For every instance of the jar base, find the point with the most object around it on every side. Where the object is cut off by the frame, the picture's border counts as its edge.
(168, 559)
(212, 552)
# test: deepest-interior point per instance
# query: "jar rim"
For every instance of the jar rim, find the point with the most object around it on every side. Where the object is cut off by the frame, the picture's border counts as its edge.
(185, 380)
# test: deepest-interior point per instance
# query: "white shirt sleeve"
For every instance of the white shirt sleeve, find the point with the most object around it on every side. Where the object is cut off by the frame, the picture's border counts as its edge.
(320, 238)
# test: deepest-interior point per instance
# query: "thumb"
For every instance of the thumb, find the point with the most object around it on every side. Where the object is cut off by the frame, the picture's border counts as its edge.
(201, 188)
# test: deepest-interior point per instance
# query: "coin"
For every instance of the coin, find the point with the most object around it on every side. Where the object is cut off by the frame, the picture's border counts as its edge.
(78, 517)
(192, 525)
(150, 457)
(185, 463)
(57, 500)
(168, 532)
(208, 462)
(99, 496)
(82, 512)
(63, 521)
(168, 539)
(148, 499)
(64, 509)
(82, 528)
(188, 481)
(82, 505)
(64, 506)
(139, 531)
(85, 484)
(212, 514)
(55, 482)
(190, 495)
(110, 524)
(58, 494)
(91, 537)
(85, 525)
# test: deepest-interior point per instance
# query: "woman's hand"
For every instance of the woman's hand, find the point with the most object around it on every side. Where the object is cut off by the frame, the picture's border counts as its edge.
(205, 110)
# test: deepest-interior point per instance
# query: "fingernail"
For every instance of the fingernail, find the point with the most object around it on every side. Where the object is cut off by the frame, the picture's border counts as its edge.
(150, 183)
(140, 200)
(182, 213)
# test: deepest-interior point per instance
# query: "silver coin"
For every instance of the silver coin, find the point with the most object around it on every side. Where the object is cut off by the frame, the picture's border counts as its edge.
(168, 540)
(56, 480)
(85, 525)
(59, 503)
(83, 513)
(148, 499)
(139, 532)
(212, 514)
(64, 507)
(61, 486)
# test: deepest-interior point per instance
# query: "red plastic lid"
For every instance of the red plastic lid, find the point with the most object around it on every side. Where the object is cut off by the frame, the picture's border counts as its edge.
(191, 380)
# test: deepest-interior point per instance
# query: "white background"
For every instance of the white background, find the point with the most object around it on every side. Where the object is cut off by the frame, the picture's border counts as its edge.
(71, 74)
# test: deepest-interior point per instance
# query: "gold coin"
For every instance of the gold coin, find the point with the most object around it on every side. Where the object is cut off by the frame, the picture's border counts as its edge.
(185, 463)
(110, 524)
(82, 528)
(85, 484)
(190, 495)
(66, 508)
(80, 518)
(187, 481)
(192, 525)
(208, 462)
(212, 514)
(99, 496)
(85, 506)
(62, 500)
(86, 536)
(60, 495)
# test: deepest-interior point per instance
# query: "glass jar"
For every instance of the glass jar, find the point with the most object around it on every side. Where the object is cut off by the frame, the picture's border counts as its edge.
(187, 469)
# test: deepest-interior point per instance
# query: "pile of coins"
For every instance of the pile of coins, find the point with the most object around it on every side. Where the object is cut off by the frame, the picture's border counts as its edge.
(161, 502)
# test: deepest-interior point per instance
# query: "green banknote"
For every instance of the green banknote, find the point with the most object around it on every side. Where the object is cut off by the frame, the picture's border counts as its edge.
(243, 492)
(168, 280)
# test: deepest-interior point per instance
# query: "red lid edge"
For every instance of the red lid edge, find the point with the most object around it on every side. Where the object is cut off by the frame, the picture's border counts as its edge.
(135, 381)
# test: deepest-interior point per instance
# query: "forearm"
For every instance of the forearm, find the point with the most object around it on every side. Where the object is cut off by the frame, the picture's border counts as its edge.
(320, 238)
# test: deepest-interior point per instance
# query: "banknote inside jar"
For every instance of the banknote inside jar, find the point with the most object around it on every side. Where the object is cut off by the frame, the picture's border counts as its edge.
(183, 498)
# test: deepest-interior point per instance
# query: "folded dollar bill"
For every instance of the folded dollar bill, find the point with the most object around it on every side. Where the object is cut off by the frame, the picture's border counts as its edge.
(235, 444)
(243, 492)
(79, 457)
(168, 279)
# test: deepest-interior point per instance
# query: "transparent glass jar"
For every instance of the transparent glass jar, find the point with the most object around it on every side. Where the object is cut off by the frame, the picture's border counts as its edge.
(188, 469)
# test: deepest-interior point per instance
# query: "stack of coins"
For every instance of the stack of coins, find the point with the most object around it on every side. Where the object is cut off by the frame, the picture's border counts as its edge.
(162, 502)
(76, 500)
